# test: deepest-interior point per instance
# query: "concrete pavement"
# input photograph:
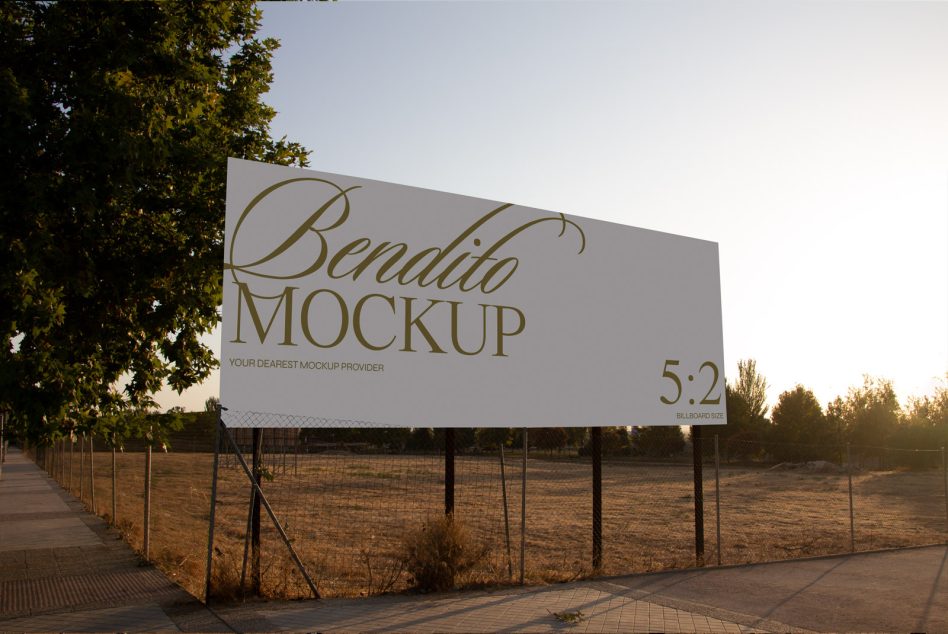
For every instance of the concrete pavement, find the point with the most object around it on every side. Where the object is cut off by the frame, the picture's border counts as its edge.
(892, 591)
(63, 569)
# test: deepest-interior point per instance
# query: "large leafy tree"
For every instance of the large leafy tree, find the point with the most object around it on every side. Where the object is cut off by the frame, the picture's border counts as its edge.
(117, 122)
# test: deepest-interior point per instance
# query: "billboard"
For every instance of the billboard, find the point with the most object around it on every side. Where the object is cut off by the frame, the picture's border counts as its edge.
(354, 301)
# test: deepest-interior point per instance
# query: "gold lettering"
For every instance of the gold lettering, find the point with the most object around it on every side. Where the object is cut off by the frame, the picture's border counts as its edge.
(343, 312)
(357, 321)
(416, 322)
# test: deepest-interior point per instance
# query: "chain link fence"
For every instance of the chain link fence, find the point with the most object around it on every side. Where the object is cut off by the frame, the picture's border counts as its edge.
(348, 507)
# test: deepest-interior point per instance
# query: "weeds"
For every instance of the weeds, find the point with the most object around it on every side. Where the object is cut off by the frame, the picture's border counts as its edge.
(437, 553)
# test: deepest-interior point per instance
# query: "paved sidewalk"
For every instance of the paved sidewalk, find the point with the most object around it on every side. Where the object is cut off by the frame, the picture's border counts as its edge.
(63, 569)
(901, 590)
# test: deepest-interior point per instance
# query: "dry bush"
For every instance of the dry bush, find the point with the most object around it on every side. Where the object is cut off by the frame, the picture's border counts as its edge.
(438, 552)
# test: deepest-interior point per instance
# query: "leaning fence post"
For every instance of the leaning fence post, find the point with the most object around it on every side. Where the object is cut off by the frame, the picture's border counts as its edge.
(717, 494)
(852, 514)
(503, 483)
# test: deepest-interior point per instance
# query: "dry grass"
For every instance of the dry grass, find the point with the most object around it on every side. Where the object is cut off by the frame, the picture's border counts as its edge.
(347, 516)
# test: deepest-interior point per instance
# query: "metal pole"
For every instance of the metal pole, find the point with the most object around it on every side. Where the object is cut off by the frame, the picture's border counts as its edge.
(449, 471)
(114, 509)
(717, 494)
(699, 494)
(3, 446)
(92, 470)
(944, 468)
(82, 465)
(72, 445)
(266, 505)
(210, 525)
(523, 509)
(595, 434)
(503, 483)
(247, 531)
(147, 509)
(255, 515)
(852, 514)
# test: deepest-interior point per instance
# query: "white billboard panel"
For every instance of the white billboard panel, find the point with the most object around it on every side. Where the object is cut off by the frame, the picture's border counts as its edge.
(347, 299)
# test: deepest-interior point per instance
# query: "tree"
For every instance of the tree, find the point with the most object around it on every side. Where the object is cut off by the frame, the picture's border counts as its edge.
(658, 441)
(549, 438)
(421, 439)
(870, 415)
(491, 438)
(118, 120)
(752, 387)
(799, 429)
(923, 425)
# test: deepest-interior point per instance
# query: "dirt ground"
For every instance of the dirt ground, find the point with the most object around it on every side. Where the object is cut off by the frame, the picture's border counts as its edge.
(347, 515)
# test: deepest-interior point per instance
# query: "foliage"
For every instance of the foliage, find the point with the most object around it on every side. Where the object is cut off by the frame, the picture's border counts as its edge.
(421, 439)
(118, 120)
(548, 438)
(658, 441)
(870, 414)
(491, 438)
(752, 387)
(799, 430)
(924, 422)
(616, 441)
(439, 551)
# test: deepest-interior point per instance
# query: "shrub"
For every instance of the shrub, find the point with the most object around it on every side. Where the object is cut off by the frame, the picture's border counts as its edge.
(439, 551)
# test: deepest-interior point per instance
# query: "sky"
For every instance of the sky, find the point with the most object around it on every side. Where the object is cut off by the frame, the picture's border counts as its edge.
(809, 140)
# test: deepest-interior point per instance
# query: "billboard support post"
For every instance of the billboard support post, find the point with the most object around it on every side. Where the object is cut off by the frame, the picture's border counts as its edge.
(595, 434)
(696, 454)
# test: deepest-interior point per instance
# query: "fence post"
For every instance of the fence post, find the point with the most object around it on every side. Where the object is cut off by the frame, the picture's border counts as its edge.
(944, 468)
(114, 510)
(92, 470)
(852, 515)
(82, 464)
(147, 528)
(523, 509)
(210, 523)
(717, 494)
(699, 494)
(449, 471)
(595, 435)
(3, 447)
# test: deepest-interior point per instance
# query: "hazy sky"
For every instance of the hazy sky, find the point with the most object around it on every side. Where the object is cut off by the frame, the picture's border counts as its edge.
(810, 140)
